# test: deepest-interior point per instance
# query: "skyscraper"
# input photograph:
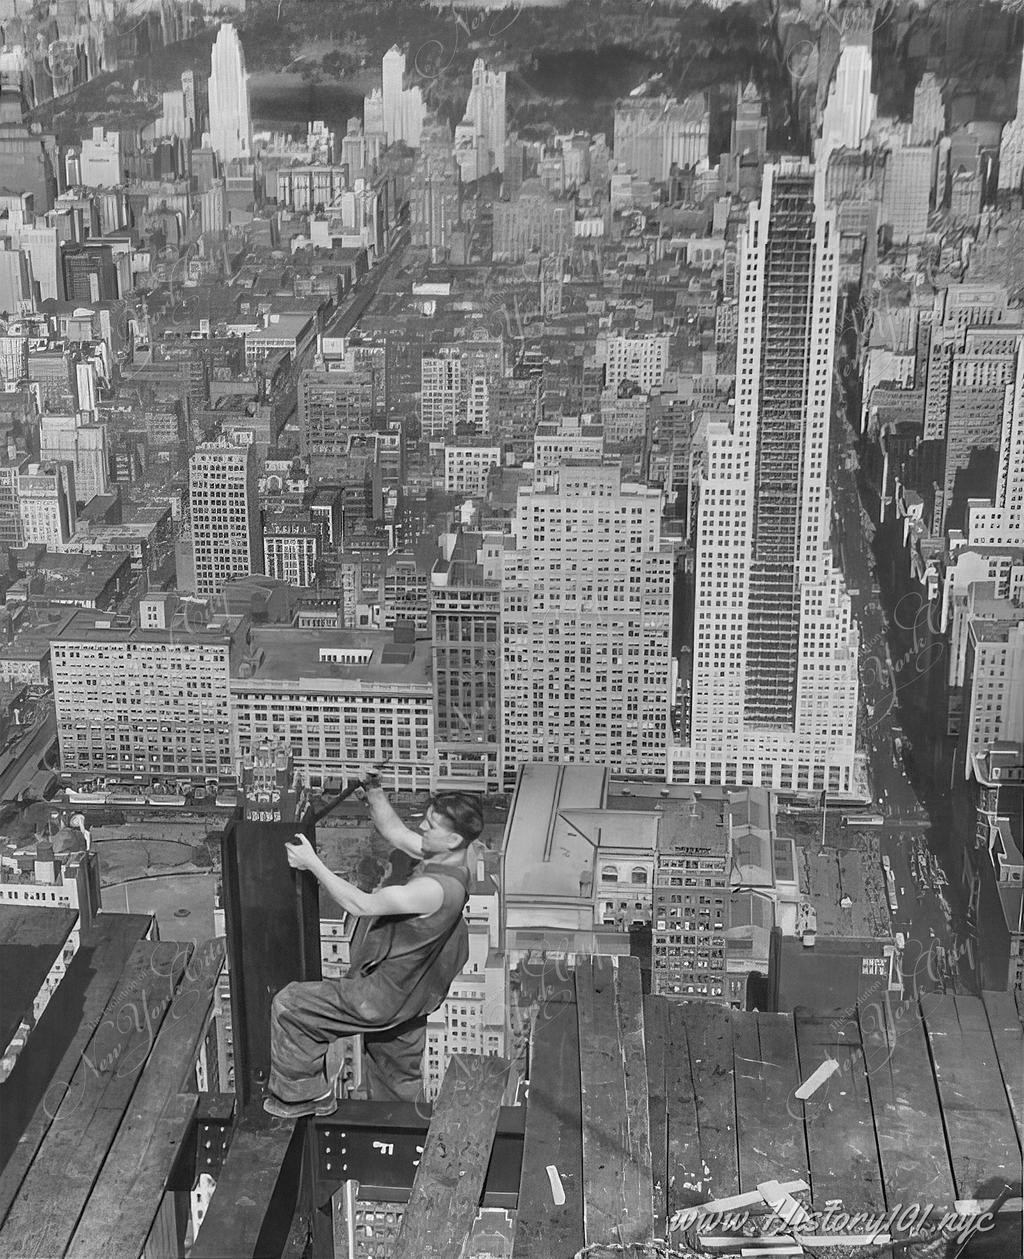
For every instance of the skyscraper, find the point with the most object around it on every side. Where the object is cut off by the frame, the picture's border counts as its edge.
(1011, 144)
(586, 626)
(435, 195)
(850, 108)
(654, 133)
(230, 118)
(929, 121)
(225, 515)
(774, 697)
(480, 136)
(403, 107)
(393, 85)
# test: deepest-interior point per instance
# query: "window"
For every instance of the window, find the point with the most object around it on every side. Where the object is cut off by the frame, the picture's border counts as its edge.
(638, 875)
(609, 874)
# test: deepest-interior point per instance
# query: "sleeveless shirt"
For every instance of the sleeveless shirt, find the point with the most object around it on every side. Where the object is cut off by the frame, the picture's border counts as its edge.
(411, 961)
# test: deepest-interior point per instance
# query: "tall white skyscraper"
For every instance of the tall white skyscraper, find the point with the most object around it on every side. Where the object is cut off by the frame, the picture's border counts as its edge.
(586, 626)
(404, 108)
(850, 108)
(1011, 145)
(392, 87)
(774, 697)
(1001, 522)
(230, 117)
(480, 137)
(224, 506)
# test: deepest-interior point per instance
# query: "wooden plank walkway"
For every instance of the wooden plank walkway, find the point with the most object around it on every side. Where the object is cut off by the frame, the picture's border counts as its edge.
(1008, 1038)
(450, 1178)
(554, 1138)
(769, 1120)
(905, 1104)
(840, 1126)
(688, 1178)
(655, 1039)
(124, 1200)
(709, 1034)
(617, 1186)
(32, 1093)
(979, 1129)
(77, 1141)
(236, 1221)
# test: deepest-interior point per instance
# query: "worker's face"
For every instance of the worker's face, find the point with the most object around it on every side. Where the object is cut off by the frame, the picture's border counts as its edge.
(438, 835)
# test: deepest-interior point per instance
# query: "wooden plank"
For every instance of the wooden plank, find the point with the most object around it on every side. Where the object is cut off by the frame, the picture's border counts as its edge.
(655, 1037)
(979, 1130)
(905, 1105)
(769, 1121)
(553, 1137)
(449, 1181)
(603, 1090)
(31, 1094)
(31, 940)
(121, 1226)
(638, 1189)
(258, 1161)
(1008, 1039)
(155, 1105)
(842, 1149)
(687, 1175)
(70, 1157)
(709, 1030)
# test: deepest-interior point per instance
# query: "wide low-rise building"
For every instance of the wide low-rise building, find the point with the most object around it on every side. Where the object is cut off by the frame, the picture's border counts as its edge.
(342, 701)
(145, 706)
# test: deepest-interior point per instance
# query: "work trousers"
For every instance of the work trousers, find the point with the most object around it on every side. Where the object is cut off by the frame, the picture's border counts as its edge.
(308, 1018)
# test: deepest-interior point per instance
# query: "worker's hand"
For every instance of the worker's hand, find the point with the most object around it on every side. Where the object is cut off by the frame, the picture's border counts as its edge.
(371, 781)
(301, 855)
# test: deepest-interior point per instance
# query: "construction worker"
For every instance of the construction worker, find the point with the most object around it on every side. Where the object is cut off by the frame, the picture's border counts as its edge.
(412, 944)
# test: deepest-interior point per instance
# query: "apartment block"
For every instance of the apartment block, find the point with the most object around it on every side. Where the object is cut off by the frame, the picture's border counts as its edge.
(225, 515)
(467, 468)
(586, 626)
(149, 705)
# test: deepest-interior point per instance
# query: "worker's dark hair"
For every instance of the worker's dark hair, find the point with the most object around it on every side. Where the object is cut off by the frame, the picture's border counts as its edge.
(463, 811)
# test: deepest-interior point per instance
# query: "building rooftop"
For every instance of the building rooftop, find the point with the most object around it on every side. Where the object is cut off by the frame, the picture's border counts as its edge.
(89, 625)
(283, 654)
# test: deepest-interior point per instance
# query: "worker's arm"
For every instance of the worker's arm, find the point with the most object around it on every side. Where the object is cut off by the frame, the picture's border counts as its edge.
(389, 824)
(418, 896)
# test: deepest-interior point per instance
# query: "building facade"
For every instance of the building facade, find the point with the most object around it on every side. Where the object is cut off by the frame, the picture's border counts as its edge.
(774, 690)
(145, 705)
(586, 626)
(225, 515)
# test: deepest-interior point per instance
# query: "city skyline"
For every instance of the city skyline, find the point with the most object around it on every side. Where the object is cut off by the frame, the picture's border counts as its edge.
(570, 458)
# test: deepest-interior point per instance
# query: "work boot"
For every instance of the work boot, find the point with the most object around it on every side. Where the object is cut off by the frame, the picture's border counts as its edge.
(325, 1105)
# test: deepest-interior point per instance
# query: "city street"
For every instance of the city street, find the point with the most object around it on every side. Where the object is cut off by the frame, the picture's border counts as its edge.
(898, 673)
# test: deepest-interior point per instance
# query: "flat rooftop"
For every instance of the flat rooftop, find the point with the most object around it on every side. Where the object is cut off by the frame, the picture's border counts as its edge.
(89, 625)
(289, 655)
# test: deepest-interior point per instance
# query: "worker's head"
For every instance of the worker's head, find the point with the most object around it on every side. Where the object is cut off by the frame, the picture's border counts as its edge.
(452, 821)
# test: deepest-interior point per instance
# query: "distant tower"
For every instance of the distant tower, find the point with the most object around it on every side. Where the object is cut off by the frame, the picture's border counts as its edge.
(929, 112)
(230, 117)
(393, 84)
(480, 138)
(1011, 147)
(850, 108)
